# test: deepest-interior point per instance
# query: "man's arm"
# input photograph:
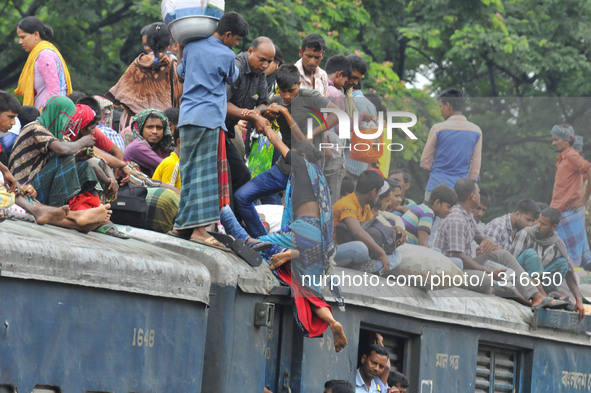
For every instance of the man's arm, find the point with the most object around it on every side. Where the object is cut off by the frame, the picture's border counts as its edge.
(429, 150)
(331, 121)
(359, 233)
(70, 148)
(476, 160)
(423, 237)
(116, 152)
(253, 116)
(583, 200)
(574, 288)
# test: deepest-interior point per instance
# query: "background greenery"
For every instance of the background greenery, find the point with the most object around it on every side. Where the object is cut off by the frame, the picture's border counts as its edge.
(490, 48)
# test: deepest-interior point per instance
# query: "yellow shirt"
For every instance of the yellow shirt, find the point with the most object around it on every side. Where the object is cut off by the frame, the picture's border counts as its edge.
(348, 206)
(168, 171)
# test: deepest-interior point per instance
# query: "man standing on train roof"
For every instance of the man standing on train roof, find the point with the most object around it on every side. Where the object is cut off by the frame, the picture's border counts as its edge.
(567, 195)
(456, 144)
(373, 362)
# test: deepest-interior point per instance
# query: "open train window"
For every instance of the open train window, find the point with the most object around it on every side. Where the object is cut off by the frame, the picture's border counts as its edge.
(8, 389)
(397, 345)
(497, 370)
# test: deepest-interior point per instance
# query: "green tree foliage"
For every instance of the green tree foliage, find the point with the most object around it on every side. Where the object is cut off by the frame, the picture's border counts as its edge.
(489, 48)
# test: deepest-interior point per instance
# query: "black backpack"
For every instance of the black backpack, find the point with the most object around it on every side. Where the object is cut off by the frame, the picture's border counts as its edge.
(130, 207)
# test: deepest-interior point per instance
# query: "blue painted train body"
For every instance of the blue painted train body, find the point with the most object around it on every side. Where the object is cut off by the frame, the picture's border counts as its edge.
(72, 305)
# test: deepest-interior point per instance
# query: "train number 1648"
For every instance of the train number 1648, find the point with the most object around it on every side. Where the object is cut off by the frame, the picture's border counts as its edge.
(143, 337)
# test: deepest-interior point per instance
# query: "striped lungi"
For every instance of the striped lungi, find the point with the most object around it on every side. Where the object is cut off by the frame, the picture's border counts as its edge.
(199, 204)
(571, 230)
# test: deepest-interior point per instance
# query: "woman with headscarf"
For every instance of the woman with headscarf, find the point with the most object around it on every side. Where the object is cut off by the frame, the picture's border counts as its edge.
(152, 140)
(151, 81)
(45, 72)
(44, 160)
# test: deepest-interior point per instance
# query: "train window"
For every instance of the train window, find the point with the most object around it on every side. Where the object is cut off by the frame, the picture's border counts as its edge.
(8, 389)
(396, 344)
(46, 389)
(496, 370)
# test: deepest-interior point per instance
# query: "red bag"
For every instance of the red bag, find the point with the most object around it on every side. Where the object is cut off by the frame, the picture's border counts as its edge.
(366, 150)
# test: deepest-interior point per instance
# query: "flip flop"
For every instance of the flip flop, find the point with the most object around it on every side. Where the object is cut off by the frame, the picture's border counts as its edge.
(111, 230)
(249, 255)
(211, 242)
(551, 304)
(260, 246)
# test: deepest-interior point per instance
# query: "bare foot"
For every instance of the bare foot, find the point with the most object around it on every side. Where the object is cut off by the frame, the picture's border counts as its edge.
(279, 259)
(50, 215)
(340, 341)
(94, 215)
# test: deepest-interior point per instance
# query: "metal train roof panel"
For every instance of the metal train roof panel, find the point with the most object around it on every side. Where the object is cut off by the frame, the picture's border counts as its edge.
(225, 268)
(54, 254)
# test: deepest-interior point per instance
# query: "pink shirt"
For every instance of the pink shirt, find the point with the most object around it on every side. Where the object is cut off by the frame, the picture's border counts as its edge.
(49, 79)
(568, 183)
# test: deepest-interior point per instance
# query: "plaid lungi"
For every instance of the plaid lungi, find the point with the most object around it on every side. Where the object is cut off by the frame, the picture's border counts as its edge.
(571, 230)
(61, 178)
(199, 204)
(163, 205)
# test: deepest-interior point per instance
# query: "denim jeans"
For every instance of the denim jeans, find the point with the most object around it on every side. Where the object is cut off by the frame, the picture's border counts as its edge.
(231, 224)
(266, 183)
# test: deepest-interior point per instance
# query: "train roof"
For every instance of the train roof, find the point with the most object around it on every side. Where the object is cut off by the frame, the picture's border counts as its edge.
(54, 254)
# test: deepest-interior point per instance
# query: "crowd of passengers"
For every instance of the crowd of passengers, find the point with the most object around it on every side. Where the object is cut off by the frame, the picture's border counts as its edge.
(217, 137)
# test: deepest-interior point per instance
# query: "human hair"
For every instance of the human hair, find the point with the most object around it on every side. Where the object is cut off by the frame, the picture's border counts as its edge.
(394, 183)
(347, 185)
(8, 102)
(278, 55)
(308, 149)
(339, 386)
(445, 195)
(260, 40)
(338, 63)
(358, 64)
(31, 24)
(369, 180)
(172, 114)
(464, 187)
(234, 23)
(528, 206)
(396, 378)
(157, 38)
(552, 214)
(286, 76)
(379, 349)
(484, 198)
(405, 174)
(93, 104)
(454, 97)
(75, 95)
(313, 41)
(28, 114)
(542, 205)
(376, 101)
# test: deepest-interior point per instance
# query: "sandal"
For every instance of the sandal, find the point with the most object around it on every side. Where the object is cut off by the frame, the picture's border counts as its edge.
(249, 255)
(180, 233)
(111, 230)
(211, 242)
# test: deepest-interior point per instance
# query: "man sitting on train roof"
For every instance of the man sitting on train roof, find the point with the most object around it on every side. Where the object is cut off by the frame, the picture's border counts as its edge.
(542, 252)
(373, 362)
(357, 248)
(454, 238)
(503, 229)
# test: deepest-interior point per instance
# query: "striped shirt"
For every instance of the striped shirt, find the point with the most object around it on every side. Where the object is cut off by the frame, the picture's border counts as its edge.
(30, 152)
(418, 218)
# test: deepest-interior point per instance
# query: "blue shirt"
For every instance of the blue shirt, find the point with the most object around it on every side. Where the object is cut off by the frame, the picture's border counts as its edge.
(360, 386)
(206, 67)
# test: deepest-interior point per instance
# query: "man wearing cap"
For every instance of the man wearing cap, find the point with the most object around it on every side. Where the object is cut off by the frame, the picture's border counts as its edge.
(567, 195)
